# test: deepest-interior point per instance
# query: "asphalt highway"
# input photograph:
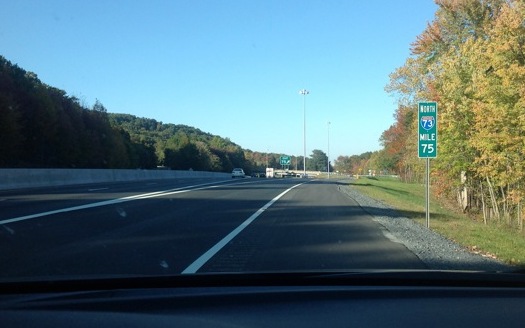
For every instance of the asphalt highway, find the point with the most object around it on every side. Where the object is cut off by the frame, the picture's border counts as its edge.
(191, 226)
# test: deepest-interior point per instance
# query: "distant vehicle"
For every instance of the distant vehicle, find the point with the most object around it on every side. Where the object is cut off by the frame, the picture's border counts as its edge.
(285, 174)
(258, 175)
(238, 173)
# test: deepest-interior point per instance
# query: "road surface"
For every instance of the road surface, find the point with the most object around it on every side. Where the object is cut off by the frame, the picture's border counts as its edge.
(191, 226)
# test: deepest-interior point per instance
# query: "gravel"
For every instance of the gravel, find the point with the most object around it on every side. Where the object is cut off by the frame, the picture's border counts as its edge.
(436, 251)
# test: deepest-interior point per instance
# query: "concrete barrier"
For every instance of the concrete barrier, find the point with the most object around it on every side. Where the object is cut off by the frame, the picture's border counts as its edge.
(31, 178)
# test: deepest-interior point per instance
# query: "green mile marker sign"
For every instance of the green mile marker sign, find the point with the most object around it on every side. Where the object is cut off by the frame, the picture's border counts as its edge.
(427, 132)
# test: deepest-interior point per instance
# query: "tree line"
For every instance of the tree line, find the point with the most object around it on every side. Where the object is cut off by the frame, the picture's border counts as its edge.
(182, 147)
(43, 127)
(363, 164)
(471, 60)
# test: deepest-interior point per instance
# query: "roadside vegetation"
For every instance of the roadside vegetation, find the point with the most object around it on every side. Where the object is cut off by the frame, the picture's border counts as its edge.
(495, 240)
(470, 60)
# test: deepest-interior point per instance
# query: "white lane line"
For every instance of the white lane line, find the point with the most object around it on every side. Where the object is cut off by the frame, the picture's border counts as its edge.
(198, 263)
(98, 189)
(118, 200)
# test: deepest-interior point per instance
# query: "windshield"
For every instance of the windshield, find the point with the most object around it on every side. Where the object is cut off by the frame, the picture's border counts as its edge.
(143, 138)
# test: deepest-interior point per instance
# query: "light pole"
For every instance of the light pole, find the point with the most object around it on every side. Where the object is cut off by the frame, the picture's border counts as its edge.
(304, 92)
(328, 154)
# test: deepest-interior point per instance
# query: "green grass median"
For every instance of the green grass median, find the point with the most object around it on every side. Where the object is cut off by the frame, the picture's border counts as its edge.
(491, 240)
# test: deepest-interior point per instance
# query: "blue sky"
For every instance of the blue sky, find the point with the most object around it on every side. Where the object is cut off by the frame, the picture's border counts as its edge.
(232, 68)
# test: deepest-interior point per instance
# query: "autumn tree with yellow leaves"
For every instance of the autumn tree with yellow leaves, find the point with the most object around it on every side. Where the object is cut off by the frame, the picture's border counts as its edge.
(471, 60)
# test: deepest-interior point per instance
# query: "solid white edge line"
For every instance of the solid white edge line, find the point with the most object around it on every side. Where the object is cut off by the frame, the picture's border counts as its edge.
(119, 200)
(198, 263)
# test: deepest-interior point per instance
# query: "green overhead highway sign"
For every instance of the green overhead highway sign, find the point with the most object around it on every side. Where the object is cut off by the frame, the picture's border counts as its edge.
(286, 160)
(427, 132)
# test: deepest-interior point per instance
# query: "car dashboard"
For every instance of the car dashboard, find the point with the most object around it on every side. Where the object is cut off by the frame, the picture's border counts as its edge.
(393, 299)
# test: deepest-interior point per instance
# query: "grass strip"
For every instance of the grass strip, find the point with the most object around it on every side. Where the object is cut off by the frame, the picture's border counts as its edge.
(492, 240)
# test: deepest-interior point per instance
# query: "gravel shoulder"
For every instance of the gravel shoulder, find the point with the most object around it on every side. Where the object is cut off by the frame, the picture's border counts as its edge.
(436, 251)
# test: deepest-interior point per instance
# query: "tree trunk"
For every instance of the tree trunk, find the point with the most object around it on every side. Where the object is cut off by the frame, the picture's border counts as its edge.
(493, 200)
(483, 207)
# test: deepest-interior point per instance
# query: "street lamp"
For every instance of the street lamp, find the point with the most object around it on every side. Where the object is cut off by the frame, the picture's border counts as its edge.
(328, 155)
(304, 92)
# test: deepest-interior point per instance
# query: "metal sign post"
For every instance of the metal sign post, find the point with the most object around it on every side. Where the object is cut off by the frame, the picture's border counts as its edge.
(427, 144)
(427, 196)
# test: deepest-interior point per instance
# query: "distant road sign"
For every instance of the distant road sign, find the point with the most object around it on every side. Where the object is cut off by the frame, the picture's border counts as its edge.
(286, 160)
(427, 132)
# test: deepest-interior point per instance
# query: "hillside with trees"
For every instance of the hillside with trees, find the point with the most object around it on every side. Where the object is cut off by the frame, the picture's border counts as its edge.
(182, 147)
(470, 60)
(43, 127)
